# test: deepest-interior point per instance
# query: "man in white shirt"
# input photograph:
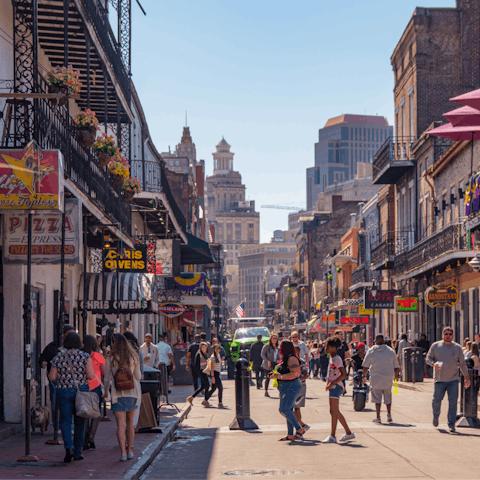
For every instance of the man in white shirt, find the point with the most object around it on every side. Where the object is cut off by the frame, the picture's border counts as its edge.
(404, 343)
(165, 355)
(303, 347)
(149, 352)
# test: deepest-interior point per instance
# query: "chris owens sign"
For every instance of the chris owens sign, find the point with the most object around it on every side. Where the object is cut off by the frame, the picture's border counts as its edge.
(442, 296)
(127, 261)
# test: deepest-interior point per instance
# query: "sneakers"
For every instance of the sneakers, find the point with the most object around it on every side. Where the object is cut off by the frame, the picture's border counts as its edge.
(377, 420)
(347, 436)
(435, 421)
(452, 428)
(389, 418)
(330, 439)
(129, 456)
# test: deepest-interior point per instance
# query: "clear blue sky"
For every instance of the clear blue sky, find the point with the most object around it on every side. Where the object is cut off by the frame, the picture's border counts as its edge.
(267, 75)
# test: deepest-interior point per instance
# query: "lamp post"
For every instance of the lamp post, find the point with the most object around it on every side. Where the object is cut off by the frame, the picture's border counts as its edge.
(373, 292)
(328, 278)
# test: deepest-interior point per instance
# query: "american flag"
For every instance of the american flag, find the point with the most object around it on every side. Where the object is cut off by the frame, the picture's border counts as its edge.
(240, 310)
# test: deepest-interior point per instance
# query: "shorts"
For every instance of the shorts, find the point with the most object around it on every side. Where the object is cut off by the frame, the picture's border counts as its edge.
(336, 391)
(124, 404)
(300, 401)
(377, 395)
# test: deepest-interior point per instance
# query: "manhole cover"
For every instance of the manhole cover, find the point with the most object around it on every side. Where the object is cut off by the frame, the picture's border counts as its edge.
(39, 464)
(262, 473)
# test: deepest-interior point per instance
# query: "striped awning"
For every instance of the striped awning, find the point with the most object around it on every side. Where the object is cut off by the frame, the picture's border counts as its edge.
(136, 293)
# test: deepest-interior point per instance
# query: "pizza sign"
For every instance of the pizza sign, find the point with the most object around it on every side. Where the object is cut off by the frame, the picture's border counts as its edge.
(171, 309)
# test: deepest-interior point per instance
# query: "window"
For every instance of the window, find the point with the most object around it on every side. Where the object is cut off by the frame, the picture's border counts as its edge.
(250, 225)
(411, 112)
(452, 204)
(403, 120)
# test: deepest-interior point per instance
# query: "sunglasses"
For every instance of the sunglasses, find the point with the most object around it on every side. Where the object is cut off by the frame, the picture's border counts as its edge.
(294, 336)
(448, 334)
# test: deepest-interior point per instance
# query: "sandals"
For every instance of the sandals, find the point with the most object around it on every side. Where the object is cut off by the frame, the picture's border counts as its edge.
(286, 439)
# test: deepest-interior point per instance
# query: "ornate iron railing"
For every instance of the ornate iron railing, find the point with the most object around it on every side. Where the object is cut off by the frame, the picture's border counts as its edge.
(98, 16)
(395, 149)
(450, 239)
(390, 244)
(363, 274)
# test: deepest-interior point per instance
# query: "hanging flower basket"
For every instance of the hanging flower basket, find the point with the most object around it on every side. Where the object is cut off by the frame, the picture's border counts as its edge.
(128, 195)
(104, 159)
(58, 88)
(118, 180)
(86, 135)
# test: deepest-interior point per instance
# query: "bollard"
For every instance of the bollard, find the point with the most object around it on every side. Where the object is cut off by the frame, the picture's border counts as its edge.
(469, 401)
(242, 419)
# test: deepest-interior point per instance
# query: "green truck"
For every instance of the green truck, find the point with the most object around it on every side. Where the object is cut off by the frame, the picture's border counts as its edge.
(244, 337)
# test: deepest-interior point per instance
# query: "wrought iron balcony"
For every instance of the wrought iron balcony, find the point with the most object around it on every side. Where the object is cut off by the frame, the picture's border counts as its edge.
(389, 245)
(363, 275)
(393, 159)
(449, 243)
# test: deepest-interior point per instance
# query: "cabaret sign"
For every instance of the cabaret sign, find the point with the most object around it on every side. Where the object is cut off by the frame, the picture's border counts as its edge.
(442, 296)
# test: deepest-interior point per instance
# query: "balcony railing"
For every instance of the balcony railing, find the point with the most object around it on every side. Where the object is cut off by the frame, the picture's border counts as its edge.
(391, 244)
(363, 274)
(452, 238)
(396, 152)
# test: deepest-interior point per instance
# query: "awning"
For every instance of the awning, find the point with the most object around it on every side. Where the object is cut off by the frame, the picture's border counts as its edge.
(195, 252)
(136, 291)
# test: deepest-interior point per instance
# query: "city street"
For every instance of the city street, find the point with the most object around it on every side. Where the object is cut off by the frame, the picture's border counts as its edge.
(410, 447)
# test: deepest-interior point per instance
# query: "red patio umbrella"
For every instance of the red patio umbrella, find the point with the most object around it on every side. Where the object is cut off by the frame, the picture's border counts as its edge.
(463, 117)
(472, 99)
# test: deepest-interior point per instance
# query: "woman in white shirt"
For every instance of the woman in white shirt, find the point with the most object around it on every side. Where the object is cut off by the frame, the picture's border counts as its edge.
(122, 360)
(215, 369)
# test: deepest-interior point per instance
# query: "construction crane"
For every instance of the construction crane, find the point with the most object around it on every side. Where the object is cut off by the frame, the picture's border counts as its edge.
(281, 207)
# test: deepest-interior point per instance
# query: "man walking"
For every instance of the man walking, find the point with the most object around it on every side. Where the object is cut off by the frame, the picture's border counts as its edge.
(165, 355)
(149, 352)
(446, 357)
(303, 348)
(382, 362)
(404, 343)
(256, 359)
(191, 354)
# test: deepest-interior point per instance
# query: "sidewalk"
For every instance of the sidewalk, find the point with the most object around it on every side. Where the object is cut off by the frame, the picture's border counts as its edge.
(101, 463)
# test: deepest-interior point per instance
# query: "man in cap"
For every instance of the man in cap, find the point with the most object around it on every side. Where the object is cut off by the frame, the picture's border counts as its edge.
(149, 352)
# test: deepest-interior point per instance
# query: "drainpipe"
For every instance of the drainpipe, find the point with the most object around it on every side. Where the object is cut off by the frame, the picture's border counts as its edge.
(143, 160)
(415, 227)
(434, 201)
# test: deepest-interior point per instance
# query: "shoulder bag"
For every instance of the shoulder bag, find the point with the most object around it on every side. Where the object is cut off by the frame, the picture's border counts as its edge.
(86, 403)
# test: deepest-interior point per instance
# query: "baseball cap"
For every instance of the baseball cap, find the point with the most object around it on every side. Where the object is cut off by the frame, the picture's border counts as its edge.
(68, 328)
(360, 345)
(149, 335)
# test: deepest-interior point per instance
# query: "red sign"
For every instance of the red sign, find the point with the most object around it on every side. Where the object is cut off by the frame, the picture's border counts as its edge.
(171, 309)
(355, 320)
(406, 304)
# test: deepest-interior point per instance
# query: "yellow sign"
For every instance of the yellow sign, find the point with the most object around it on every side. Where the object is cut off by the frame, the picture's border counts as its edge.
(368, 311)
(31, 179)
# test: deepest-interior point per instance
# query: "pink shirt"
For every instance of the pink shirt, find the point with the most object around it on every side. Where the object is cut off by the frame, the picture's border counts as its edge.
(98, 361)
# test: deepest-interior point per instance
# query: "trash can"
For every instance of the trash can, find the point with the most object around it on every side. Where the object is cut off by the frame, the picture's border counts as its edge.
(413, 364)
(230, 368)
(180, 375)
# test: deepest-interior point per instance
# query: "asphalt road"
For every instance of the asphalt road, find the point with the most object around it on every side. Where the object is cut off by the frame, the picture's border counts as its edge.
(410, 447)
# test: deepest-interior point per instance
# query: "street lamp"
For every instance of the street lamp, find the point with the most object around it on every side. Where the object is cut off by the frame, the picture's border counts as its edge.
(373, 292)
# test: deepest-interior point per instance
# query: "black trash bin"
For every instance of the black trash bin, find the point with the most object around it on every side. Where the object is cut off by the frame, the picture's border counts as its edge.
(153, 388)
(413, 364)
(180, 374)
(230, 368)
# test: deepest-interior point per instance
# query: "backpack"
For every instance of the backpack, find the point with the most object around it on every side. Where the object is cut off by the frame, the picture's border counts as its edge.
(123, 379)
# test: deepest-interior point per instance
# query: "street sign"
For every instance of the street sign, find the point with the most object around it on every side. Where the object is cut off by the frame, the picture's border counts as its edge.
(406, 304)
(355, 320)
(442, 296)
(384, 299)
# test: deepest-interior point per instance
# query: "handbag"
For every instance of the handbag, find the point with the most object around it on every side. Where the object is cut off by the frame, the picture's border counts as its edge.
(207, 370)
(86, 405)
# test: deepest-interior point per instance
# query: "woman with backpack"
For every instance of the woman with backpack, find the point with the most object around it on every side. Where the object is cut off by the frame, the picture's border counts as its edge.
(202, 361)
(122, 374)
(91, 346)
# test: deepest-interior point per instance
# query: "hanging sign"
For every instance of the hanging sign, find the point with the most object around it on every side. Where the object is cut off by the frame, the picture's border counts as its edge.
(442, 296)
(167, 258)
(171, 309)
(384, 299)
(355, 320)
(369, 311)
(46, 235)
(126, 261)
(406, 304)
(31, 179)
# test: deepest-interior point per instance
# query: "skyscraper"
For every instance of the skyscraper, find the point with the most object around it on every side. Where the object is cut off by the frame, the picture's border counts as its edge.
(344, 142)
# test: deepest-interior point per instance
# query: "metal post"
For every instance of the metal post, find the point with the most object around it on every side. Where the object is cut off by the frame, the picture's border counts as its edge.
(118, 284)
(66, 6)
(85, 289)
(27, 322)
(105, 86)
(242, 419)
(104, 318)
(87, 47)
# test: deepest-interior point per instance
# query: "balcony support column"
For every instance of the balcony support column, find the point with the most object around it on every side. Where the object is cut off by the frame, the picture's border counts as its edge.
(105, 85)
(66, 6)
(87, 47)
(119, 125)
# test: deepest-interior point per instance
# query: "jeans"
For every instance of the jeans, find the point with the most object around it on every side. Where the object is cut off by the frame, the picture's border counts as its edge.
(259, 376)
(52, 389)
(289, 391)
(439, 392)
(311, 366)
(204, 386)
(66, 406)
(323, 366)
(195, 377)
(216, 386)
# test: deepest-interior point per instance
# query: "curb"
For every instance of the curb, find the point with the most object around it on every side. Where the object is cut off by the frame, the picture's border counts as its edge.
(150, 453)
(409, 387)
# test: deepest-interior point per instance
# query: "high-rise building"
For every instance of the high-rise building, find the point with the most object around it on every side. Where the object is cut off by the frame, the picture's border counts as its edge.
(233, 219)
(344, 142)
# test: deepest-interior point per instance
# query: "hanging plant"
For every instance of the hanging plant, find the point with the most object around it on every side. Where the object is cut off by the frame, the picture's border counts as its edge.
(131, 187)
(87, 126)
(63, 80)
(106, 148)
(120, 170)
